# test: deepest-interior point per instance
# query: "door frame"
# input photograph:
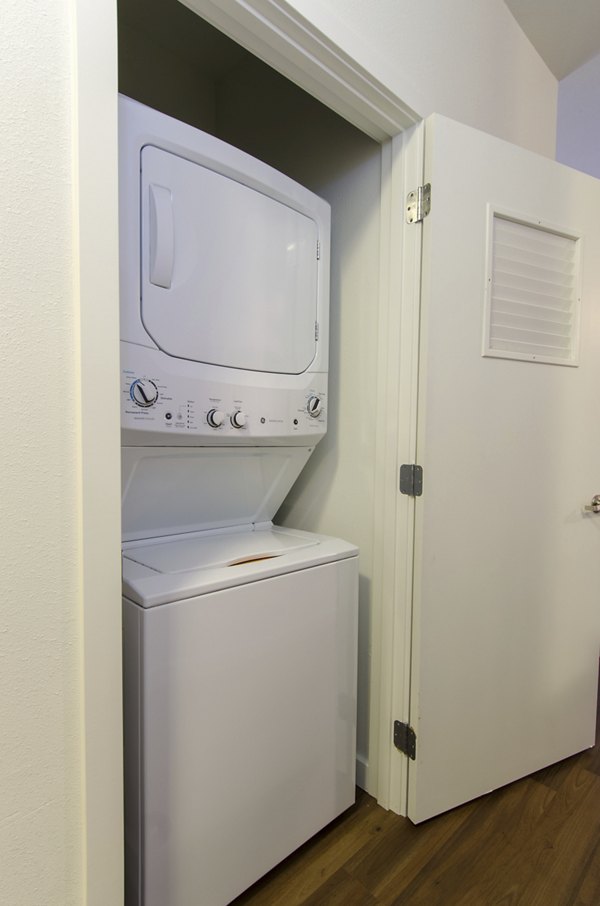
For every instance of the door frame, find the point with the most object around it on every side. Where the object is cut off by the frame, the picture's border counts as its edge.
(96, 316)
(397, 417)
(277, 34)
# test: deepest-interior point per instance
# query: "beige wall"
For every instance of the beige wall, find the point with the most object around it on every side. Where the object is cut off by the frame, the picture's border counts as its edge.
(41, 804)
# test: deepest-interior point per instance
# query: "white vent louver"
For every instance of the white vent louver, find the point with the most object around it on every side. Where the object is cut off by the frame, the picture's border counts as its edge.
(532, 303)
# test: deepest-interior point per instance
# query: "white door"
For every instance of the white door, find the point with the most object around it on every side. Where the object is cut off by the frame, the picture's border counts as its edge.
(506, 616)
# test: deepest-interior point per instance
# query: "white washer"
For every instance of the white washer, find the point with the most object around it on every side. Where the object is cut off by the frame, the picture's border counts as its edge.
(240, 706)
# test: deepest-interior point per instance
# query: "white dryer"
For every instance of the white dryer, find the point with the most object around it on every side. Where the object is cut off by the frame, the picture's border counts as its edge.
(240, 637)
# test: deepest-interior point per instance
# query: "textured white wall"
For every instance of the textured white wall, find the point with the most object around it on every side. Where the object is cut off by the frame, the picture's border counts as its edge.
(41, 809)
(578, 122)
(467, 59)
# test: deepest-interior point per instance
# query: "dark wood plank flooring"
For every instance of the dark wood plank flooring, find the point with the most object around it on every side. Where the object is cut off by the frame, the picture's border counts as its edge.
(535, 842)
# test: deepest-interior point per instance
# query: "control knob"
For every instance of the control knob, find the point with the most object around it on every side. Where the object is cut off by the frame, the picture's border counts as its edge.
(314, 406)
(238, 419)
(215, 418)
(143, 392)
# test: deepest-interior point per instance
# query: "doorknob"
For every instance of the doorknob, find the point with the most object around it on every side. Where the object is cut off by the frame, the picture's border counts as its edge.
(594, 505)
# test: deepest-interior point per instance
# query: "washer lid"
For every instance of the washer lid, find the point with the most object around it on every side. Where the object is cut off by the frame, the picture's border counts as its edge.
(183, 567)
(231, 549)
(172, 490)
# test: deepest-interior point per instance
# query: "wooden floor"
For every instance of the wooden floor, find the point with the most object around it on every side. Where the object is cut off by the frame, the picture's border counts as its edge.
(535, 843)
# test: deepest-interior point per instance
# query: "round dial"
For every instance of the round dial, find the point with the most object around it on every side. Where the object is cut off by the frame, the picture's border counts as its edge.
(215, 418)
(238, 419)
(143, 392)
(314, 406)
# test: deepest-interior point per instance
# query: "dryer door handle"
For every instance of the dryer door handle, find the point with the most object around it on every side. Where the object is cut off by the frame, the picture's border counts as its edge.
(162, 236)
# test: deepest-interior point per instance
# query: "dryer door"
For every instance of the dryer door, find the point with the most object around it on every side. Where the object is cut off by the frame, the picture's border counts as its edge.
(228, 274)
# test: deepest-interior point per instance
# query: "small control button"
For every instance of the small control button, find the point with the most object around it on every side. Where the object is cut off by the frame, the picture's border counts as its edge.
(314, 406)
(215, 418)
(168, 416)
(143, 392)
(238, 419)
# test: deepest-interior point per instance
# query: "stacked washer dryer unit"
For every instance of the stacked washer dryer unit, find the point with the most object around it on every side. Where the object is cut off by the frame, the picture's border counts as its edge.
(239, 636)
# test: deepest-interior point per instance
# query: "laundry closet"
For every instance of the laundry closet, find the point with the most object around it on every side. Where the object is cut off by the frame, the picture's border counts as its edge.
(174, 62)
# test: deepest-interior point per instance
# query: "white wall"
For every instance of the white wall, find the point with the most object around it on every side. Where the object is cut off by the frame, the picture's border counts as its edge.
(578, 121)
(41, 802)
(60, 698)
(466, 59)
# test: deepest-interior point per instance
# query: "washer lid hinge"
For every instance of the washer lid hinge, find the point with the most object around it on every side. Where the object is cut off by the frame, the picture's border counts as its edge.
(411, 480)
(418, 204)
(405, 739)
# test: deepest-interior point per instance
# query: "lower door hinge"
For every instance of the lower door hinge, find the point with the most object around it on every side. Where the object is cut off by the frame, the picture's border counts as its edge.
(405, 739)
(411, 480)
(418, 204)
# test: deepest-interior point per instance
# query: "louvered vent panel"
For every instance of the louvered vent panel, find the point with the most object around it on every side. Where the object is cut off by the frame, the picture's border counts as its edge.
(533, 298)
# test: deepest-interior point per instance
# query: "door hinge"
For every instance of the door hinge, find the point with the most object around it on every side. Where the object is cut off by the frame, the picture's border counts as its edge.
(411, 480)
(405, 739)
(318, 250)
(316, 331)
(418, 204)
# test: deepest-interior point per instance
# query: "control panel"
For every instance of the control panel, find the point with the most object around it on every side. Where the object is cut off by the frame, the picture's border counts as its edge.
(168, 408)
(143, 392)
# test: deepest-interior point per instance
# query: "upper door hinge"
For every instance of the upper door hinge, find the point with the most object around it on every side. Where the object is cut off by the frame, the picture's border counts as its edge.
(411, 480)
(405, 739)
(418, 204)
(318, 250)
(316, 331)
